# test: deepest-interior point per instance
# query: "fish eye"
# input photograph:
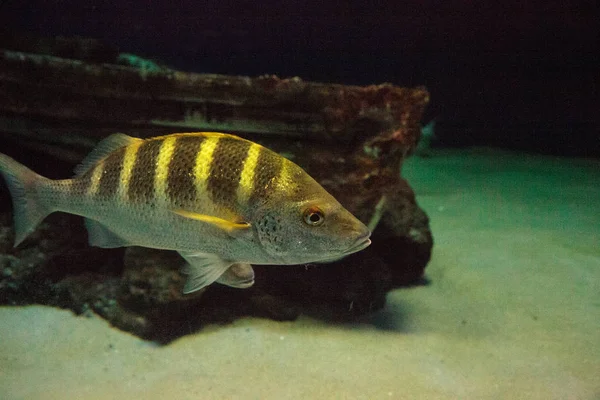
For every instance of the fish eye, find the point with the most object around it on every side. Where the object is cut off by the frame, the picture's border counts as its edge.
(313, 216)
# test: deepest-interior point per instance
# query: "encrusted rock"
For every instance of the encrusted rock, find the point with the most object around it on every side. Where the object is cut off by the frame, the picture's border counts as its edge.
(351, 139)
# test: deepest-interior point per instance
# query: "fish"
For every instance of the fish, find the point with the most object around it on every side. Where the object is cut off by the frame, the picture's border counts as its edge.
(222, 202)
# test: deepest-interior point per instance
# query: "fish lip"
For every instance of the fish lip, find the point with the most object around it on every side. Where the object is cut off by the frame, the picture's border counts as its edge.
(360, 244)
(246, 284)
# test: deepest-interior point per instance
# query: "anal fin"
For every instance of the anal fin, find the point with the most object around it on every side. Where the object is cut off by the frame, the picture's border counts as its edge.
(101, 236)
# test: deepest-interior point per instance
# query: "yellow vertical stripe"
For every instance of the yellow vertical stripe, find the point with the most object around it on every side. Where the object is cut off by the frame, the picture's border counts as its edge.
(246, 185)
(162, 168)
(203, 161)
(95, 179)
(283, 180)
(128, 163)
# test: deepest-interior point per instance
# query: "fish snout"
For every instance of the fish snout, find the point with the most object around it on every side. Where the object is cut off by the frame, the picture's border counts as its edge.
(361, 241)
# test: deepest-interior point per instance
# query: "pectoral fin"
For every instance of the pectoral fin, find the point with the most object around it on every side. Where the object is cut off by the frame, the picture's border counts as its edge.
(226, 225)
(239, 275)
(202, 270)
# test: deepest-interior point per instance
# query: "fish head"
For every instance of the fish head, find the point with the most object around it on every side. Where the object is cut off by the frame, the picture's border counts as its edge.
(309, 225)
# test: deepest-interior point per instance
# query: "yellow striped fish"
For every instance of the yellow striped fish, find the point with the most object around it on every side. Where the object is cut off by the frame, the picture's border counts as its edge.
(221, 201)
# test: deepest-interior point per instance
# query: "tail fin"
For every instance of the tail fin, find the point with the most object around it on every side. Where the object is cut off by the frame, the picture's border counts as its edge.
(22, 182)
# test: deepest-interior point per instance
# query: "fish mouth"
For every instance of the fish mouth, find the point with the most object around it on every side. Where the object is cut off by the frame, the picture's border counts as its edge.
(360, 244)
(245, 284)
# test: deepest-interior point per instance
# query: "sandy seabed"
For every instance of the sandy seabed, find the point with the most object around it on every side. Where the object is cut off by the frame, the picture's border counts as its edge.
(512, 311)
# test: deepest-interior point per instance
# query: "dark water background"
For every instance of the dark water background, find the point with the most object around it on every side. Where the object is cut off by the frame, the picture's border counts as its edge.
(513, 74)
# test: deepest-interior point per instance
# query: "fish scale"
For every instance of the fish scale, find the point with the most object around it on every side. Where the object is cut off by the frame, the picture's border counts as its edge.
(221, 201)
(111, 172)
(141, 184)
(224, 177)
(268, 168)
(181, 186)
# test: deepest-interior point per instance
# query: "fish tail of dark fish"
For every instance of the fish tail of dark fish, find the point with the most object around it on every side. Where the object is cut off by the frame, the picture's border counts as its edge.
(28, 208)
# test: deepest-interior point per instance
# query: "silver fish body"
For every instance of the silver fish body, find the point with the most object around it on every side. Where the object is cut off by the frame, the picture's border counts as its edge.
(222, 202)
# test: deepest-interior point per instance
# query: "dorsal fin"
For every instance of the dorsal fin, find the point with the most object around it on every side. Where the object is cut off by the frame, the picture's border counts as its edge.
(104, 148)
(199, 134)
